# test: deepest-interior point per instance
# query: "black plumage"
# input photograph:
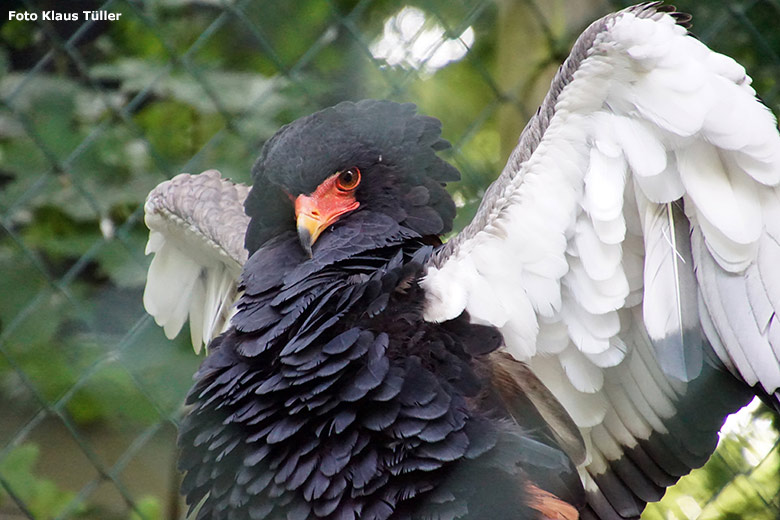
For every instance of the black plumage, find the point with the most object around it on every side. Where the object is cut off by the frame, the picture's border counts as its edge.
(330, 397)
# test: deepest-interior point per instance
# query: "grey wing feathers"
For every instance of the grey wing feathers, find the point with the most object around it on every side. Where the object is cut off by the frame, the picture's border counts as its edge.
(197, 226)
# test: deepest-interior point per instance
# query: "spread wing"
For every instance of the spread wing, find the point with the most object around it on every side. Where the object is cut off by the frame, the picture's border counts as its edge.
(197, 225)
(629, 251)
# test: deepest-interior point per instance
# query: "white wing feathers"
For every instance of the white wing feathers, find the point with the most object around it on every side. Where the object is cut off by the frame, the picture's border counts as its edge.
(646, 118)
(197, 227)
(650, 173)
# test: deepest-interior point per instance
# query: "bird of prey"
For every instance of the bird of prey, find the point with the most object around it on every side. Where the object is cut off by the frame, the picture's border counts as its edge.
(569, 354)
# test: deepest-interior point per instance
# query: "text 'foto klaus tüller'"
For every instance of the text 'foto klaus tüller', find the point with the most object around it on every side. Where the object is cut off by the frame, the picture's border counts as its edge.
(56, 16)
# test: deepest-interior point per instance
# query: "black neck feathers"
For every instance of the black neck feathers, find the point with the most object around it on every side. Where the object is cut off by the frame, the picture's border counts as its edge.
(331, 398)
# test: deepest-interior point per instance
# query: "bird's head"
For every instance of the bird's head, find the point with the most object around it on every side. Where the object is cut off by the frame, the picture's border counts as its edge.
(351, 159)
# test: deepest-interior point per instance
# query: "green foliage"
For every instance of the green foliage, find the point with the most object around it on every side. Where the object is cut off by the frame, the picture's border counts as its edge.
(41, 496)
(149, 508)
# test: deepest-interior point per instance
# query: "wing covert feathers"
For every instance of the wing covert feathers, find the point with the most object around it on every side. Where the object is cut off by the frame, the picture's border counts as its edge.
(631, 242)
(196, 232)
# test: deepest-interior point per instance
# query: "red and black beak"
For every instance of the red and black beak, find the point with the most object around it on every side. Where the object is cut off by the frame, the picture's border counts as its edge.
(330, 201)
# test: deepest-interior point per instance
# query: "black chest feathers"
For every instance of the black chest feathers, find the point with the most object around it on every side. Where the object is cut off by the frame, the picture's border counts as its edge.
(331, 398)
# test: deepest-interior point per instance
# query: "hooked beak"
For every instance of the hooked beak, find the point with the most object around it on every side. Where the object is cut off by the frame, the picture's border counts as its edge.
(315, 212)
(309, 228)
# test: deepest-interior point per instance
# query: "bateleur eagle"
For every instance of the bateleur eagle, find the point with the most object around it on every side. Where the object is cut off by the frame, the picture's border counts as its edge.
(569, 354)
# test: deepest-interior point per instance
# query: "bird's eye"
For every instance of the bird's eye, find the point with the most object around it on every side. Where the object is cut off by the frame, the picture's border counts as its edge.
(348, 179)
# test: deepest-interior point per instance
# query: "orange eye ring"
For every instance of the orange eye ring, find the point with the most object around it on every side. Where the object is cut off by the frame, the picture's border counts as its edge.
(349, 179)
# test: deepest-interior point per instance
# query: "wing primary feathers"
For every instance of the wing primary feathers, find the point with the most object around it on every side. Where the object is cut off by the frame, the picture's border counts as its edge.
(670, 304)
(639, 100)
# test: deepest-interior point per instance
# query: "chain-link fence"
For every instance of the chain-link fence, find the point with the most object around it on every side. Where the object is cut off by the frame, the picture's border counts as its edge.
(100, 101)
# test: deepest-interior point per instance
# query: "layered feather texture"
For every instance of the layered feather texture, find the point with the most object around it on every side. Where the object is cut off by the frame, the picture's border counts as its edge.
(198, 255)
(645, 138)
(331, 398)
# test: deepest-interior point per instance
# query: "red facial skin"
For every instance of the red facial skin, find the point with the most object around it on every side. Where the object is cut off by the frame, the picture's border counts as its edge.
(332, 199)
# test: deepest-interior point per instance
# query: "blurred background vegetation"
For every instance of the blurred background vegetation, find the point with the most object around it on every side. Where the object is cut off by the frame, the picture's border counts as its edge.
(94, 114)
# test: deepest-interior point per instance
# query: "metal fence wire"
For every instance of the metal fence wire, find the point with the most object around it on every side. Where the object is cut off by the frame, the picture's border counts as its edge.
(94, 112)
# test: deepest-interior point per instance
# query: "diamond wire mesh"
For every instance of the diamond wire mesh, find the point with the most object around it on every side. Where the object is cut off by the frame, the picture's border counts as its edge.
(94, 113)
